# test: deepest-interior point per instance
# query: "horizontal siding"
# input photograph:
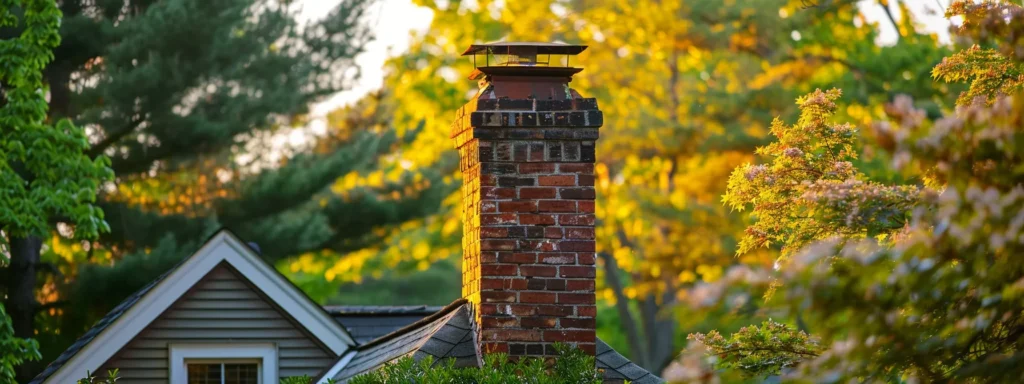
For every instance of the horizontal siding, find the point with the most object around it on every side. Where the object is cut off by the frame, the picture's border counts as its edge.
(220, 308)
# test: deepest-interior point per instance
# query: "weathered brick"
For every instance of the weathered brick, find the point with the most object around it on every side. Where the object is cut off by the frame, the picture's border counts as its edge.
(537, 271)
(498, 245)
(488, 207)
(582, 193)
(510, 181)
(498, 296)
(554, 150)
(536, 219)
(557, 206)
(557, 180)
(556, 285)
(537, 297)
(493, 232)
(510, 335)
(576, 168)
(517, 258)
(498, 218)
(585, 206)
(539, 322)
(554, 310)
(540, 245)
(557, 258)
(537, 193)
(578, 233)
(498, 270)
(582, 219)
(499, 322)
(585, 180)
(498, 193)
(499, 168)
(552, 233)
(570, 336)
(534, 168)
(536, 152)
(579, 285)
(494, 347)
(585, 258)
(534, 349)
(586, 310)
(517, 206)
(587, 323)
(580, 271)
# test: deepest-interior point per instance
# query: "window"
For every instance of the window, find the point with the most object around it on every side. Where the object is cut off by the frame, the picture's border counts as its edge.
(235, 363)
(223, 373)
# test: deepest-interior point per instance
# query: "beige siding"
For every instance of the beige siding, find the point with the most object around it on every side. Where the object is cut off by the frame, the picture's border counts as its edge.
(222, 307)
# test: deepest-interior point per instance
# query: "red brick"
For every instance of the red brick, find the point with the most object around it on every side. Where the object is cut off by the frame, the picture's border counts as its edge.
(576, 298)
(497, 218)
(537, 271)
(572, 271)
(585, 180)
(538, 322)
(587, 323)
(489, 309)
(579, 285)
(585, 258)
(532, 219)
(537, 297)
(554, 310)
(518, 258)
(553, 233)
(581, 193)
(537, 193)
(498, 245)
(576, 219)
(577, 246)
(493, 232)
(557, 258)
(585, 206)
(488, 207)
(557, 206)
(488, 180)
(570, 336)
(555, 284)
(498, 270)
(498, 297)
(517, 206)
(518, 284)
(578, 168)
(495, 347)
(557, 180)
(521, 310)
(493, 283)
(586, 310)
(540, 245)
(498, 193)
(533, 168)
(579, 233)
(489, 257)
(510, 335)
(499, 322)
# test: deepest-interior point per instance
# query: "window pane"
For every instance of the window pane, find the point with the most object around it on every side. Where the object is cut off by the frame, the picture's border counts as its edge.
(204, 373)
(241, 374)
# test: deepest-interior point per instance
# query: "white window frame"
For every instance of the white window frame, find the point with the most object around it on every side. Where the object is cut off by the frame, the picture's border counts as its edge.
(264, 353)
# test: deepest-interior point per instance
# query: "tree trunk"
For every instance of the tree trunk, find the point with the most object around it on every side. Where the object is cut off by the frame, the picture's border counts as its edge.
(21, 291)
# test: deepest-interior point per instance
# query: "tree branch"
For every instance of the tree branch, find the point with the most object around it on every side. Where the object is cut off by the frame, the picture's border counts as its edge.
(611, 276)
(100, 147)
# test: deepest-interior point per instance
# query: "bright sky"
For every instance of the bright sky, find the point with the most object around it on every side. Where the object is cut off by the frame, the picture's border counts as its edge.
(393, 21)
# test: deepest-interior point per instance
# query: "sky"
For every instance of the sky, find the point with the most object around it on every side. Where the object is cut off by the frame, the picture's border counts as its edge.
(393, 21)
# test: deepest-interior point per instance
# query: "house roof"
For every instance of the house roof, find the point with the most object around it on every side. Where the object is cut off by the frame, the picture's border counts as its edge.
(137, 311)
(367, 322)
(447, 334)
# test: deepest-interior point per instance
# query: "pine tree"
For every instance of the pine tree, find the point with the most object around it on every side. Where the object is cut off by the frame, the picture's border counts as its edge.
(186, 98)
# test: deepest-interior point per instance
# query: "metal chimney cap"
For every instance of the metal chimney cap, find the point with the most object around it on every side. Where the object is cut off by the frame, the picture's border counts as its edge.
(542, 48)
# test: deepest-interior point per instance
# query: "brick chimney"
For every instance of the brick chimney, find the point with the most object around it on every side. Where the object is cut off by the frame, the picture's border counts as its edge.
(526, 142)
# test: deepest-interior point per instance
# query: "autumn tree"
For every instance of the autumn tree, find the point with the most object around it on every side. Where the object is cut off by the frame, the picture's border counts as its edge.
(47, 176)
(937, 299)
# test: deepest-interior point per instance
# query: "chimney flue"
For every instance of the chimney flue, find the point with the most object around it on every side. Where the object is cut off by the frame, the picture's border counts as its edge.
(526, 142)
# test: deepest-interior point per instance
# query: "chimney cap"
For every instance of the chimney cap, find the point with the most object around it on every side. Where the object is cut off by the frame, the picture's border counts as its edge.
(542, 48)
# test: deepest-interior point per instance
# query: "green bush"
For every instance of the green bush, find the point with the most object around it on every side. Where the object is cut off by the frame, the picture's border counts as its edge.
(571, 367)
